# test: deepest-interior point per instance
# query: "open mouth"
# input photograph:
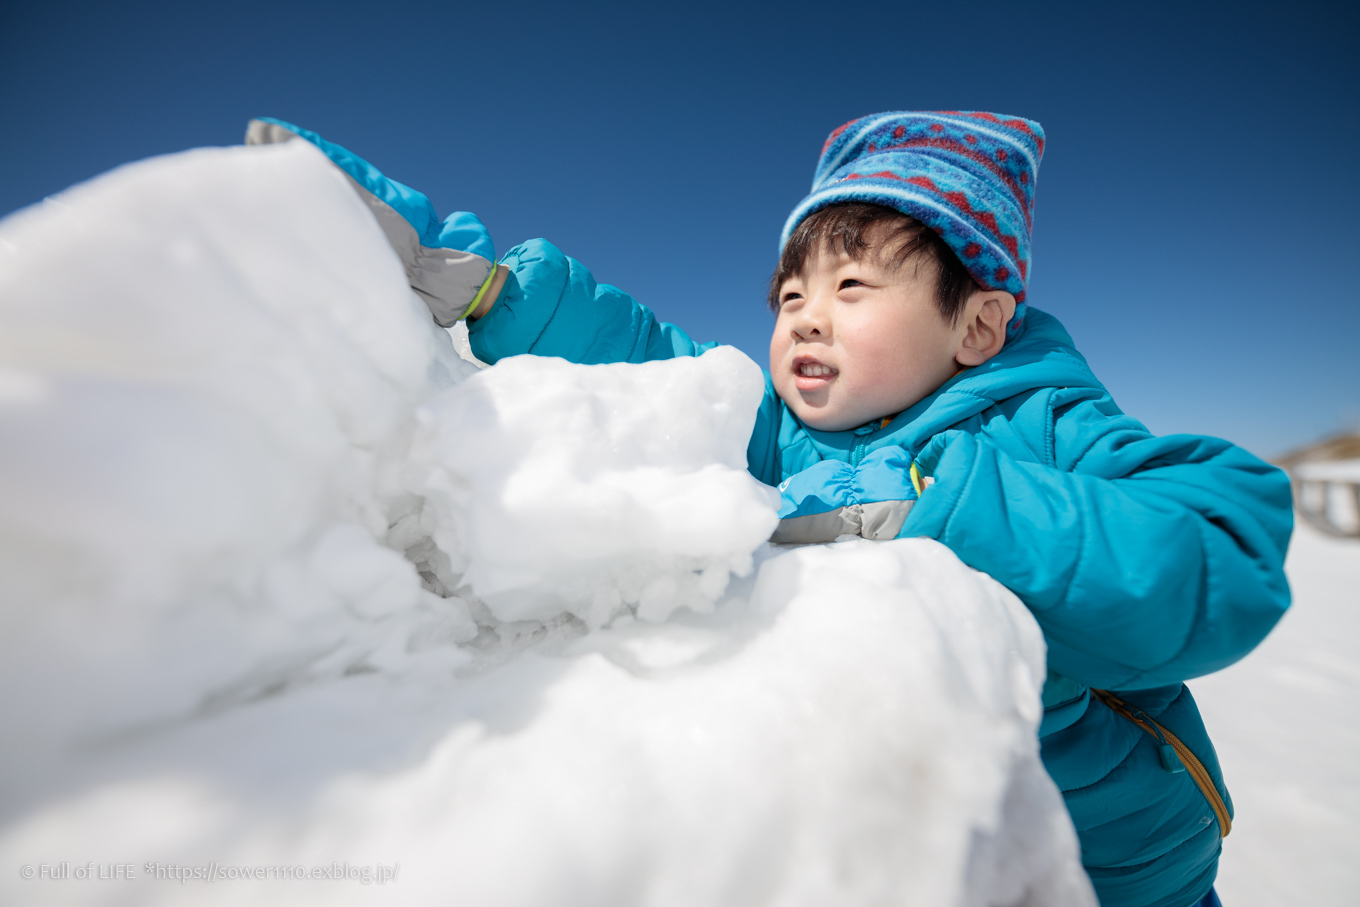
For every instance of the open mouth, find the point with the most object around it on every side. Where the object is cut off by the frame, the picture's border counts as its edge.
(809, 374)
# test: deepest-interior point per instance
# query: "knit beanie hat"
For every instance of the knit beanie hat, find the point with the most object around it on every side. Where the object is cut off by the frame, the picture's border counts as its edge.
(969, 176)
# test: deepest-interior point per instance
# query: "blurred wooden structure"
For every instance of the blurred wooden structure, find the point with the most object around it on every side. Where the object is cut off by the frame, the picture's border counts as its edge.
(1326, 481)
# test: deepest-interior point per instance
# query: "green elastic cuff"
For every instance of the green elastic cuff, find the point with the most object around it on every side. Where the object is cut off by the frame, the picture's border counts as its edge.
(491, 275)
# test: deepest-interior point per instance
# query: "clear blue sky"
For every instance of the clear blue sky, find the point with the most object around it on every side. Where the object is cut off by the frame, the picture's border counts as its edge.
(1196, 225)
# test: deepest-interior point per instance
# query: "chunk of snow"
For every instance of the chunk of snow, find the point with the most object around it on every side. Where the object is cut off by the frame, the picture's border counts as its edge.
(552, 487)
(285, 581)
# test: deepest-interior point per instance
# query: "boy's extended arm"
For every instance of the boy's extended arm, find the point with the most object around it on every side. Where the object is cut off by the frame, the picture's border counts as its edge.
(1146, 560)
(550, 305)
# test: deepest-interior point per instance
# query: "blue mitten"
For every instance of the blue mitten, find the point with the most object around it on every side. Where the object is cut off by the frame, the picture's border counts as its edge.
(450, 264)
(833, 498)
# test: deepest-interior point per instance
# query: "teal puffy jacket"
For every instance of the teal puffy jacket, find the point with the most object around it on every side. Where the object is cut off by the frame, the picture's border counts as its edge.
(1145, 560)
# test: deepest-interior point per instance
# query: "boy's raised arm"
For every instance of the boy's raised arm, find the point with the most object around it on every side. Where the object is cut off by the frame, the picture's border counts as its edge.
(448, 263)
(1146, 560)
(551, 305)
(536, 300)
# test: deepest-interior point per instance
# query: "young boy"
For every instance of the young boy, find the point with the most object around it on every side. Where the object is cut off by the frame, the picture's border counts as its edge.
(903, 348)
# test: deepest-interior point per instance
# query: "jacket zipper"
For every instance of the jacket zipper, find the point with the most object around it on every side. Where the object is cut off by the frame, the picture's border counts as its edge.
(1198, 773)
(861, 441)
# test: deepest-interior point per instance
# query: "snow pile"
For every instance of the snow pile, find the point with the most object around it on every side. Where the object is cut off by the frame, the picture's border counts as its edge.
(208, 385)
(285, 582)
(552, 487)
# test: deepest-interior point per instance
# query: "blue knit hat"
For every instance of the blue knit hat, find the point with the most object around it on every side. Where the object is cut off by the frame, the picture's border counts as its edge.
(969, 176)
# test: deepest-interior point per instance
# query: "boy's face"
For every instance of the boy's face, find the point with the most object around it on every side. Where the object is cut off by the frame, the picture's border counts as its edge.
(859, 340)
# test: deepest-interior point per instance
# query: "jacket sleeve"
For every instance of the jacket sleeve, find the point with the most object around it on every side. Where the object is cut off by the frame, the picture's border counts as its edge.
(1145, 560)
(552, 306)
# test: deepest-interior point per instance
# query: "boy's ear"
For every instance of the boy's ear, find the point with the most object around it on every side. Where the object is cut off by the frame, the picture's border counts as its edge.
(981, 331)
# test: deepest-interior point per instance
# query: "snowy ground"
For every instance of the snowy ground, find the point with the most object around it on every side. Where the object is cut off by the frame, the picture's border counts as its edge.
(1286, 724)
(285, 585)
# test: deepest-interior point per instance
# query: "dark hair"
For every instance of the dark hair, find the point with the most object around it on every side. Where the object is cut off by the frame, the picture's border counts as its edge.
(845, 228)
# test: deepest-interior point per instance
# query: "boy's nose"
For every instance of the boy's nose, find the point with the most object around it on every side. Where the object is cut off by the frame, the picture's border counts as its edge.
(813, 320)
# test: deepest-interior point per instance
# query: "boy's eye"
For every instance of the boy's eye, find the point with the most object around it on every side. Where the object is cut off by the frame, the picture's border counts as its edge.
(850, 282)
(790, 297)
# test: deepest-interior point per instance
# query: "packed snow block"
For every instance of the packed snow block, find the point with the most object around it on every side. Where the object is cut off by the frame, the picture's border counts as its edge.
(596, 491)
(286, 585)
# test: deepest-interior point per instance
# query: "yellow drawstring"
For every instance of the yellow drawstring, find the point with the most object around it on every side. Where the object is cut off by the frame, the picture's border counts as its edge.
(916, 481)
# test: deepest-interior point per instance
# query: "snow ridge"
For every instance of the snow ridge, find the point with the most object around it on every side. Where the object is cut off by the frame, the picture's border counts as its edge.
(289, 581)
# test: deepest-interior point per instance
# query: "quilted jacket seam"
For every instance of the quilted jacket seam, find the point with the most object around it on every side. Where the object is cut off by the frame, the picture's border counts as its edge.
(557, 306)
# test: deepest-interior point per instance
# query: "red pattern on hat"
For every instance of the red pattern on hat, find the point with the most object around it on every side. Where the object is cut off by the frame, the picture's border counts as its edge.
(986, 160)
(836, 133)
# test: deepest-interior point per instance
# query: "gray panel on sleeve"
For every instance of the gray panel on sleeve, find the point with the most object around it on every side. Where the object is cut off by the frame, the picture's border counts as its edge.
(817, 527)
(446, 279)
(878, 521)
(884, 519)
